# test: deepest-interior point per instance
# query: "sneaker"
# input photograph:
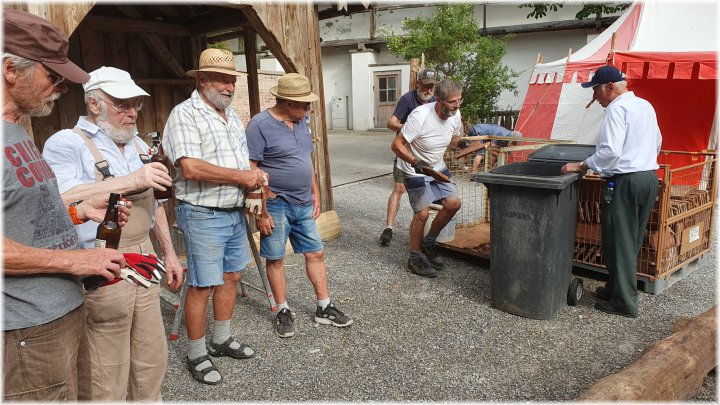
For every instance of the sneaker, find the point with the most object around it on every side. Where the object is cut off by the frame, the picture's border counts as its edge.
(284, 323)
(331, 315)
(385, 237)
(419, 265)
(433, 257)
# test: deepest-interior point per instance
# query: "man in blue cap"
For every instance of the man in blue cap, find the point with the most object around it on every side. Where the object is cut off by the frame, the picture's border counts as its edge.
(626, 157)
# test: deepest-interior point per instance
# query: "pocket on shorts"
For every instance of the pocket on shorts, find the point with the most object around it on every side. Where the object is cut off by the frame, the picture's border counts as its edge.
(414, 182)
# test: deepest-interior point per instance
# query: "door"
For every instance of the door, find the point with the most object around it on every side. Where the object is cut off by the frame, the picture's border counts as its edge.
(387, 92)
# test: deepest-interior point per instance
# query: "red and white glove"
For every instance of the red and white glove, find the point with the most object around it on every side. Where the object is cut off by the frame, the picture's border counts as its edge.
(253, 199)
(148, 266)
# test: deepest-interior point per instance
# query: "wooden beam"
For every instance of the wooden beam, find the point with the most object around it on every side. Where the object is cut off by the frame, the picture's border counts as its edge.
(270, 40)
(252, 67)
(603, 22)
(226, 36)
(672, 369)
(334, 12)
(103, 23)
(163, 55)
(216, 25)
(352, 42)
(151, 82)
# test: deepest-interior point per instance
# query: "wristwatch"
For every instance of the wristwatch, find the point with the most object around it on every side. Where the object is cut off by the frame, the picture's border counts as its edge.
(72, 210)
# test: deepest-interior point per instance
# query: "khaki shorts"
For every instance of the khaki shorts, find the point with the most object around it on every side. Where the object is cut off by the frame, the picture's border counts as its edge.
(398, 174)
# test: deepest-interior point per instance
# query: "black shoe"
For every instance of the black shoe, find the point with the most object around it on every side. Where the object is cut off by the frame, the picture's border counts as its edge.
(433, 257)
(606, 307)
(419, 265)
(603, 293)
(332, 315)
(284, 326)
(386, 237)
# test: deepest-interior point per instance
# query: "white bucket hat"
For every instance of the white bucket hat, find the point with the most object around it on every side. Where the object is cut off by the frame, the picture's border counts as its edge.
(115, 82)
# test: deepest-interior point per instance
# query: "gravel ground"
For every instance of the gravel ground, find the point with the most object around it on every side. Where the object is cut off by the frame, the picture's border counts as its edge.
(417, 339)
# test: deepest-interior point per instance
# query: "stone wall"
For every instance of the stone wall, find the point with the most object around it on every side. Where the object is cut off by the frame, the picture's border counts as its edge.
(240, 101)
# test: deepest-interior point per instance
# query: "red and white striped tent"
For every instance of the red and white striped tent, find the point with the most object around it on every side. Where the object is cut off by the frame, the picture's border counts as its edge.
(668, 53)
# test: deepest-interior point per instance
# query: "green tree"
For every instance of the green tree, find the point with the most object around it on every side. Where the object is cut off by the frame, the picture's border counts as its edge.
(453, 46)
(589, 9)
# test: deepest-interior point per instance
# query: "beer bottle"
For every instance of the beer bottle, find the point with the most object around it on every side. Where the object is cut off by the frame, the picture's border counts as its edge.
(107, 236)
(156, 150)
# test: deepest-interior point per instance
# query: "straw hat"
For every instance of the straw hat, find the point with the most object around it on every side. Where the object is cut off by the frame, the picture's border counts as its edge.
(216, 60)
(295, 87)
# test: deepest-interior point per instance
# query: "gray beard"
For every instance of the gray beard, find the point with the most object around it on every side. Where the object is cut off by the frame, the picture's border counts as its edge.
(118, 135)
(216, 100)
(446, 112)
(424, 97)
(44, 108)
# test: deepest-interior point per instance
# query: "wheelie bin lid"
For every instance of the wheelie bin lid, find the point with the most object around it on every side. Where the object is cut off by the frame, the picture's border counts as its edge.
(562, 153)
(529, 174)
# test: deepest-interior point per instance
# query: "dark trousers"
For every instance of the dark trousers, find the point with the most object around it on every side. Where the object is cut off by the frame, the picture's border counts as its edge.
(624, 220)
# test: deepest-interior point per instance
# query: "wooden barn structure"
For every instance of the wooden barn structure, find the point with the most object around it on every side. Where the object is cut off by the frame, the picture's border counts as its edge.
(157, 43)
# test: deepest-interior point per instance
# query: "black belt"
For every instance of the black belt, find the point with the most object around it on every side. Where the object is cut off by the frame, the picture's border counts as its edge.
(616, 176)
(233, 209)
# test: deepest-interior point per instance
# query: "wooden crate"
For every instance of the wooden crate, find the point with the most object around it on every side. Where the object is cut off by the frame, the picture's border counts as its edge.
(680, 226)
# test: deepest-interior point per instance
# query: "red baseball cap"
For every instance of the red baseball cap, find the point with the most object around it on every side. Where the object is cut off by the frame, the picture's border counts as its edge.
(35, 38)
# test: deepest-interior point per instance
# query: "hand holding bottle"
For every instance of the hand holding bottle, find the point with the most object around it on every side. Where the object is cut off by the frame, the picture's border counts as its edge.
(152, 175)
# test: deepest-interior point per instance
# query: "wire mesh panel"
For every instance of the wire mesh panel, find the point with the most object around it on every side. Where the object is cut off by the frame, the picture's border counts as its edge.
(679, 227)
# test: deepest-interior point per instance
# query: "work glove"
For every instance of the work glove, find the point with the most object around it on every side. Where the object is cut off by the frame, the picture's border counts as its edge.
(148, 266)
(419, 164)
(137, 277)
(463, 143)
(253, 199)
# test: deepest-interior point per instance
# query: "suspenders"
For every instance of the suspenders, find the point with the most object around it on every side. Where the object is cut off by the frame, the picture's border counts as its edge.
(102, 166)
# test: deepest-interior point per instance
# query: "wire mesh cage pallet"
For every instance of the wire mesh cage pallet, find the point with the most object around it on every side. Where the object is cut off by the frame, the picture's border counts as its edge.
(472, 234)
(679, 229)
(681, 221)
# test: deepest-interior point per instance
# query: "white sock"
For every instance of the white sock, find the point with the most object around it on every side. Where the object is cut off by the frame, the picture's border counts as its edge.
(323, 303)
(283, 305)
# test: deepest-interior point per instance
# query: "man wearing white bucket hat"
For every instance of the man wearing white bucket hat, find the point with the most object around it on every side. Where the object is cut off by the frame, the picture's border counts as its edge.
(280, 143)
(205, 139)
(102, 154)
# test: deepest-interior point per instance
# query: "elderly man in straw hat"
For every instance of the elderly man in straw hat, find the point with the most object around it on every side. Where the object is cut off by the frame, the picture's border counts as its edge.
(124, 324)
(205, 139)
(280, 143)
(43, 314)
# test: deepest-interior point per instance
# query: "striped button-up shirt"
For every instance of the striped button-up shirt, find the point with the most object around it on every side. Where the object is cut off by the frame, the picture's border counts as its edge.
(195, 130)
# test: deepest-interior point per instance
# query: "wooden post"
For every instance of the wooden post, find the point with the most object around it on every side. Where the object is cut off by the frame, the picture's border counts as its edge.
(414, 70)
(672, 369)
(252, 70)
(612, 41)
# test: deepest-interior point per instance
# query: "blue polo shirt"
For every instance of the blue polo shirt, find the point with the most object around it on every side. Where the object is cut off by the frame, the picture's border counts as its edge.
(285, 154)
(407, 103)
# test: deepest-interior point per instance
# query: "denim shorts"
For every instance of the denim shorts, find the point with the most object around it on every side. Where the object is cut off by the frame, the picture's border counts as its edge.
(424, 190)
(215, 243)
(291, 221)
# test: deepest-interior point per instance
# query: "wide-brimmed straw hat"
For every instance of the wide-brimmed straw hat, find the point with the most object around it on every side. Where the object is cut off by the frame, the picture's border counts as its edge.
(295, 87)
(216, 60)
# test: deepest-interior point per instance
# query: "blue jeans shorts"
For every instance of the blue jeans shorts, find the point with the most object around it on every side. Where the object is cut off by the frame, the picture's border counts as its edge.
(215, 243)
(424, 190)
(291, 221)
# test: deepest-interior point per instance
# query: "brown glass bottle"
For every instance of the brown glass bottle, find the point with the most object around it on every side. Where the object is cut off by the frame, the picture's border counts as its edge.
(107, 236)
(158, 155)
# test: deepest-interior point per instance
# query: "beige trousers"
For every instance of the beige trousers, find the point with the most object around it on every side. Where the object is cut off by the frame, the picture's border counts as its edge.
(126, 340)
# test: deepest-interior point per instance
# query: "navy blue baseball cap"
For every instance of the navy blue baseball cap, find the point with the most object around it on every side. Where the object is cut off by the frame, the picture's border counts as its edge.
(606, 74)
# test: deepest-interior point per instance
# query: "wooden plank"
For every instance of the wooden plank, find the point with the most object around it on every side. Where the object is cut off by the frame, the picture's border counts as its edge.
(127, 25)
(93, 48)
(229, 20)
(163, 55)
(672, 369)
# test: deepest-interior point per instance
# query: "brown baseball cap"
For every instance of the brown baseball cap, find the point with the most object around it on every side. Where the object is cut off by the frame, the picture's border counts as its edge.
(427, 76)
(35, 38)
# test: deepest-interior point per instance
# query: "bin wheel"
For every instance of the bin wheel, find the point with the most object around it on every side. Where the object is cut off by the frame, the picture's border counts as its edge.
(575, 292)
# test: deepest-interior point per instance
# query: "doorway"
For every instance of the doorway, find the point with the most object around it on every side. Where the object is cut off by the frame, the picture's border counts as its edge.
(387, 92)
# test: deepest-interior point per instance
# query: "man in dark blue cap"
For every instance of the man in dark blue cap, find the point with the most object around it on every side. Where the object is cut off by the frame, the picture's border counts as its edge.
(626, 157)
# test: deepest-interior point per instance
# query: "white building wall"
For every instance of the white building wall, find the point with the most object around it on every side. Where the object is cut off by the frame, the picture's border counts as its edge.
(341, 65)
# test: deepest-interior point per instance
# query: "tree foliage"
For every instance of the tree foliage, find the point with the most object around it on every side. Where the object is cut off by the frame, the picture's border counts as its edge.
(453, 46)
(597, 10)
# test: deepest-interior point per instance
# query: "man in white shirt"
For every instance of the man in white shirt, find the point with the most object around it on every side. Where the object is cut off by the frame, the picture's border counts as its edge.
(421, 143)
(626, 156)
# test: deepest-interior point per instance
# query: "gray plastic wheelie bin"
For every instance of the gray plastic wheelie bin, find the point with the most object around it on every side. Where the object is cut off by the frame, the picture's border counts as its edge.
(533, 215)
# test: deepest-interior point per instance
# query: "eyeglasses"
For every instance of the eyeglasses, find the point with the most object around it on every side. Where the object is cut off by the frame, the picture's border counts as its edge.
(457, 102)
(54, 78)
(305, 105)
(125, 107)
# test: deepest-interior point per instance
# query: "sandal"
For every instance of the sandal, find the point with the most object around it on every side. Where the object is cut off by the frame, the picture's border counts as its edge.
(224, 349)
(200, 375)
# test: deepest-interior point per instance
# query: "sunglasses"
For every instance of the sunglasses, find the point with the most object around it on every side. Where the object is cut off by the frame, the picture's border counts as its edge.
(54, 78)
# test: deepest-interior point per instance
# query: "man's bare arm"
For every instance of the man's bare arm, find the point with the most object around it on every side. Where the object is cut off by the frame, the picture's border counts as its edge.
(394, 124)
(402, 148)
(200, 170)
